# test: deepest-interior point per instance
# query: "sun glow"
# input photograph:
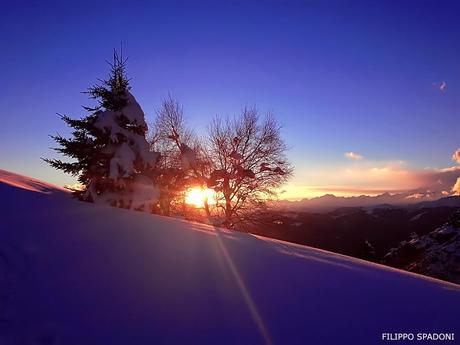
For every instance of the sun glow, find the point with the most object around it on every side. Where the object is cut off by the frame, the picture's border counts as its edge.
(197, 196)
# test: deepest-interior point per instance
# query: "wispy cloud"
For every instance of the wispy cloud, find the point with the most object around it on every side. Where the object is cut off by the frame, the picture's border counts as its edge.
(353, 155)
(441, 86)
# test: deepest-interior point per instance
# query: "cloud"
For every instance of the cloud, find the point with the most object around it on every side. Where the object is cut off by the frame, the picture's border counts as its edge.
(456, 156)
(456, 187)
(353, 155)
(369, 177)
(438, 180)
(415, 196)
(442, 86)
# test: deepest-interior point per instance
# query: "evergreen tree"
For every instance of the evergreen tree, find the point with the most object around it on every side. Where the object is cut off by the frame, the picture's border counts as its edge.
(108, 148)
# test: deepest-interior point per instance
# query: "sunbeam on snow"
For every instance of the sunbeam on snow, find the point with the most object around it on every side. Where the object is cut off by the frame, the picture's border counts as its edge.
(243, 289)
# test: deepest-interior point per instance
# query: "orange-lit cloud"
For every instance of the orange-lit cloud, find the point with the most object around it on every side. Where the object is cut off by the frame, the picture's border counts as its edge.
(386, 175)
(456, 156)
(456, 187)
(353, 155)
(365, 177)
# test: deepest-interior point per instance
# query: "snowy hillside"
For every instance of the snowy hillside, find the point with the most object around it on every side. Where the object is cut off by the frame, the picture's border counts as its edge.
(436, 254)
(78, 273)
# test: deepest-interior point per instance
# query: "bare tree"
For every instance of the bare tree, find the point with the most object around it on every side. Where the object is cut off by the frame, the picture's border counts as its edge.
(169, 131)
(182, 163)
(249, 163)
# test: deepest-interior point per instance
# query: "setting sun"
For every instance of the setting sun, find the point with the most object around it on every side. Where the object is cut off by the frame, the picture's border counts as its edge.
(197, 196)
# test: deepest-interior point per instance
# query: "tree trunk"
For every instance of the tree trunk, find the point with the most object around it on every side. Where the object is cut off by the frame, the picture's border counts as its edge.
(206, 208)
(228, 211)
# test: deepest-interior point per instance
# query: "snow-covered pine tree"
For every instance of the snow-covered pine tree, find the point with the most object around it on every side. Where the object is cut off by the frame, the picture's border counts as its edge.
(110, 153)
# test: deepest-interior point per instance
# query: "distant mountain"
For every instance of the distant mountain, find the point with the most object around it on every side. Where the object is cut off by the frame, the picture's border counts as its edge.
(451, 201)
(330, 202)
(435, 187)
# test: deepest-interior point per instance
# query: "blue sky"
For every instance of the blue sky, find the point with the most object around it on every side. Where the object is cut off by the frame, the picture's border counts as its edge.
(340, 76)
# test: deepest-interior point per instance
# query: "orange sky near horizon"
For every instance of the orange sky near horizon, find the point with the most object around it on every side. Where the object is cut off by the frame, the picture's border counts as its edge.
(354, 175)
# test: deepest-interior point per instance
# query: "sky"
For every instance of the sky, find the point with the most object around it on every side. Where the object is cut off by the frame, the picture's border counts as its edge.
(367, 91)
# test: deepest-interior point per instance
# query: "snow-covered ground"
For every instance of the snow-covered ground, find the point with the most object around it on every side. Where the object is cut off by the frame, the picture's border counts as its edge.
(436, 254)
(78, 273)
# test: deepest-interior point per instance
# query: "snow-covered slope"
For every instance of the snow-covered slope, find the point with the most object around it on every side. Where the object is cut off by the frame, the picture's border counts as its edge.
(78, 273)
(27, 183)
(436, 254)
